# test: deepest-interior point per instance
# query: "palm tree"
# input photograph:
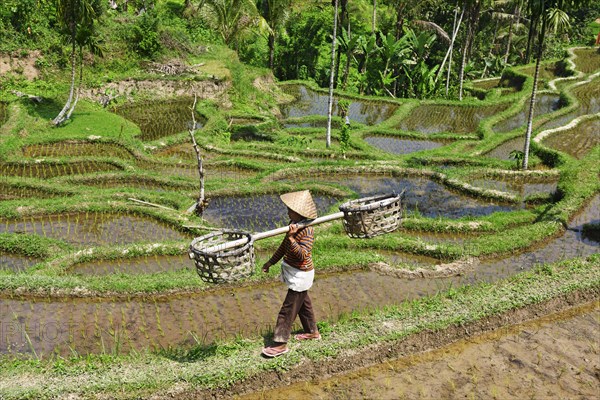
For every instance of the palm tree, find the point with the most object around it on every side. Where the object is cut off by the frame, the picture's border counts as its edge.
(332, 74)
(556, 19)
(472, 8)
(275, 13)
(233, 19)
(75, 19)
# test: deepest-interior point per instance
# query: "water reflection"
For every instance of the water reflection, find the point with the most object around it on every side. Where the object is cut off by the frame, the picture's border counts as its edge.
(444, 118)
(545, 104)
(401, 146)
(588, 96)
(309, 102)
(255, 213)
(421, 195)
(16, 262)
(577, 141)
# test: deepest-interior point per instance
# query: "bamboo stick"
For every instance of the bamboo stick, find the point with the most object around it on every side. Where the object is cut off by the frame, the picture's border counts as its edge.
(263, 235)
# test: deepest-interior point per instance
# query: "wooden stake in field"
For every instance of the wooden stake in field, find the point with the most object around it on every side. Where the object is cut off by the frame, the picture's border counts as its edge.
(201, 204)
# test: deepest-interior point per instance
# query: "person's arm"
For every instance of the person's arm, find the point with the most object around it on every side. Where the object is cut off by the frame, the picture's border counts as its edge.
(279, 253)
(301, 244)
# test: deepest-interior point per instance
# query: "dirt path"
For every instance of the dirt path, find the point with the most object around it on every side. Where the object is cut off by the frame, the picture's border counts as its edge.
(557, 356)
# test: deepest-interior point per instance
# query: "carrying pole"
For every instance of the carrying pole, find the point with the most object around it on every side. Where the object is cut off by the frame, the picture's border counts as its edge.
(272, 232)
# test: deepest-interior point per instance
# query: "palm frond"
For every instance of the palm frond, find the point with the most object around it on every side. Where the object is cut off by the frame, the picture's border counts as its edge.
(432, 26)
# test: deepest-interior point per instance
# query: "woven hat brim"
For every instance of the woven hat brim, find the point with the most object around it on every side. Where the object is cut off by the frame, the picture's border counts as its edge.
(300, 202)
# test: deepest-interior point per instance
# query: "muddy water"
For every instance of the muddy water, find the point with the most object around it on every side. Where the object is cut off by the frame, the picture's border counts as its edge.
(587, 60)
(16, 262)
(13, 192)
(309, 102)
(210, 172)
(138, 265)
(94, 228)
(255, 213)
(401, 146)
(503, 151)
(544, 104)
(577, 141)
(549, 358)
(516, 186)
(443, 118)
(74, 149)
(96, 325)
(588, 96)
(421, 195)
(311, 124)
(160, 118)
(50, 170)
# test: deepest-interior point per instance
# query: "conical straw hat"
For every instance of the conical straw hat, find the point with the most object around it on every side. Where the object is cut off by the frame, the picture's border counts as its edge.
(301, 202)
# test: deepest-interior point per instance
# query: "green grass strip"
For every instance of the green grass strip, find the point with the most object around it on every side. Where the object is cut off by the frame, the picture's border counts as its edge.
(223, 364)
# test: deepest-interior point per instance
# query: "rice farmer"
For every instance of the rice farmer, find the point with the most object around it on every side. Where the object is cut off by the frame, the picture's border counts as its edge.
(297, 272)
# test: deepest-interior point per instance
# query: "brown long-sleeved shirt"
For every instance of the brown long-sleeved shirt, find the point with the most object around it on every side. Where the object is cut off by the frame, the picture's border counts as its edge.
(297, 253)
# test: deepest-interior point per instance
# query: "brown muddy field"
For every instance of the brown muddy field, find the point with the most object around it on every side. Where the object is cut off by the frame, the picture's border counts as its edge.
(553, 357)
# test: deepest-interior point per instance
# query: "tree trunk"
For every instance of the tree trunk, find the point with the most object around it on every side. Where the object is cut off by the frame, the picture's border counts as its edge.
(348, 57)
(510, 30)
(60, 118)
(455, 28)
(374, 20)
(538, 62)
(331, 75)
(271, 50)
(463, 63)
(530, 36)
(201, 204)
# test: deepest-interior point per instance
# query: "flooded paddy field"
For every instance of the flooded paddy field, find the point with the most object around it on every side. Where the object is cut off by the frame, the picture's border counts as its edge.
(588, 96)
(577, 141)
(550, 357)
(94, 228)
(502, 152)
(104, 324)
(16, 262)
(587, 60)
(544, 104)
(44, 170)
(401, 146)
(421, 195)
(175, 116)
(443, 118)
(309, 102)
(255, 213)
(520, 186)
(12, 191)
(77, 149)
(183, 152)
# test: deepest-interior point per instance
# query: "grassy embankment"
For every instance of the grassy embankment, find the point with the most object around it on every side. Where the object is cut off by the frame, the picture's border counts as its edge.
(224, 365)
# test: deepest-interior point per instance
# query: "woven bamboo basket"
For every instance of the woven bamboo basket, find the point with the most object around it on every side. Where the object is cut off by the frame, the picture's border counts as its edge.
(227, 265)
(372, 216)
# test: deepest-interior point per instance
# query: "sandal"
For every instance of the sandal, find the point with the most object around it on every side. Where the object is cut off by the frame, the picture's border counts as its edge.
(271, 353)
(307, 336)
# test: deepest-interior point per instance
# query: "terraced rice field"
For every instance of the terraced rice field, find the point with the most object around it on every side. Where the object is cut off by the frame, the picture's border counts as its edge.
(577, 141)
(587, 60)
(48, 169)
(454, 119)
(93, 325)
(544, 104)
(77, 149)
(93, 228)
(401, 146)
(309, 102)
(176, 116)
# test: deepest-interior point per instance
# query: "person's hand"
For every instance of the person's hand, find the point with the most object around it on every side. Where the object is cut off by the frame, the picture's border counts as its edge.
(293, 230)
(266, 267)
